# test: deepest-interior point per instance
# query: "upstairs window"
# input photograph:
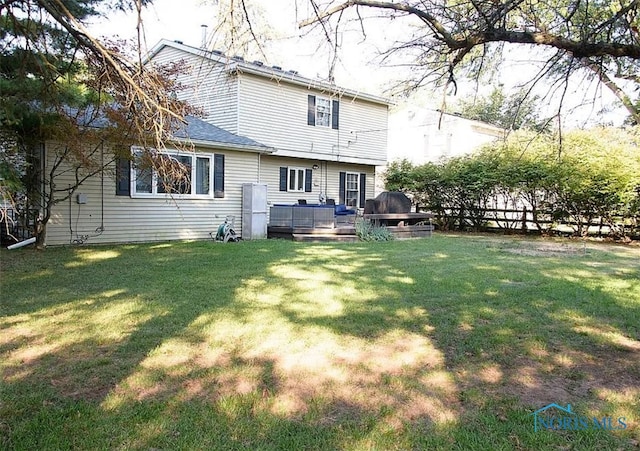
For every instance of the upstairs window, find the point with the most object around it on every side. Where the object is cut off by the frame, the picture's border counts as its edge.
(323, 112)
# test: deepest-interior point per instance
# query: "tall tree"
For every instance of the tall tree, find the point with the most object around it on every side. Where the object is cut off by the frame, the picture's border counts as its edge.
(599, 37)
(60, 84)
(510, 112)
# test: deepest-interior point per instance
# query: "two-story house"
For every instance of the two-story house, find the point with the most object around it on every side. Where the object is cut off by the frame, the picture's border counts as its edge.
(338, 134)
(302, 138)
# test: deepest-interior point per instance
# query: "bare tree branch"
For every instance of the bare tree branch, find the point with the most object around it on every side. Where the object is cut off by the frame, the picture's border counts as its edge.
(578, 30)
(613, 87)
(578, 48)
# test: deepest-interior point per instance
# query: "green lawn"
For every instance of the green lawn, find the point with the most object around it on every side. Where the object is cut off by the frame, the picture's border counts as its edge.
(443, 343)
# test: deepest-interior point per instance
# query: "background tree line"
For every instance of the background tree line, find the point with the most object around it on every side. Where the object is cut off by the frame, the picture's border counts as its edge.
(596, 177)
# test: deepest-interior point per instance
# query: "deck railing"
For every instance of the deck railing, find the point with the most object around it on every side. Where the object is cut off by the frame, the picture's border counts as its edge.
(302, 216)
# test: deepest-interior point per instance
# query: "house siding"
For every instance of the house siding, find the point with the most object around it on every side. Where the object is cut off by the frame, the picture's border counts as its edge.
(270, 111)
(207, 86)
(326, 179)
(127, 219)
(275, 113)
(273, 110)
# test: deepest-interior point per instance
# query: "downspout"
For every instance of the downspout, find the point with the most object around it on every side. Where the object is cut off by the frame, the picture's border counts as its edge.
(22, 243)
(70, 213)
(237, 75)
(100, 229)
(326, 176)
(42, 162)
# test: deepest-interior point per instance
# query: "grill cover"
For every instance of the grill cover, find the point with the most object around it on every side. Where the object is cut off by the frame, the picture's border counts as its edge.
(390, 202)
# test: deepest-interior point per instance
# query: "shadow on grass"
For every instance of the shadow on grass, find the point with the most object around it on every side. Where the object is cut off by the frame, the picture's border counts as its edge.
(432, 343)
(544, 329)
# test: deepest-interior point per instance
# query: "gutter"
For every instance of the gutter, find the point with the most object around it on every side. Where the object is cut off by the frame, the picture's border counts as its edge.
(332, 157)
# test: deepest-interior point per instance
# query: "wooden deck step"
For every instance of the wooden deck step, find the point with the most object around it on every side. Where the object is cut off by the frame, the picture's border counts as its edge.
(343, 234)
(319, 238)
(311, 235)
(415, 231)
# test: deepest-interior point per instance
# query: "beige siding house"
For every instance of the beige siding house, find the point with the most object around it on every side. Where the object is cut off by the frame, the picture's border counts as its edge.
(127, 204)
(302, 138)
(337, 136)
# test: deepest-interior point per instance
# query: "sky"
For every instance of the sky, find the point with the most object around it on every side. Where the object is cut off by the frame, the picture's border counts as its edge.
(173, 20)
(163, 19)
(300, 49)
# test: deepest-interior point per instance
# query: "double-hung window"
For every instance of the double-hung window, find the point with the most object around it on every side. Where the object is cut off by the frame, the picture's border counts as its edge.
(296, 179)
(183, 175)
(143, 176)
(323, 112)
(203, 176)
(352, 189)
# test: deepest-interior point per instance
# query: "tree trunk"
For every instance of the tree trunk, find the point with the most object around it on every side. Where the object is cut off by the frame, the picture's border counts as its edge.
(614, 88)
(41, 235)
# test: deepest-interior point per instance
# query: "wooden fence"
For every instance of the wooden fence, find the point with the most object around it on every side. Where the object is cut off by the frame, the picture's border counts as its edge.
(528, 221)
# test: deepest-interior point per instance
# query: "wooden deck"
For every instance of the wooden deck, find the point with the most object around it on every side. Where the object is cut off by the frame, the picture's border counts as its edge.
(398, 219)
(411, 231)
(347, 233)
(344, 233)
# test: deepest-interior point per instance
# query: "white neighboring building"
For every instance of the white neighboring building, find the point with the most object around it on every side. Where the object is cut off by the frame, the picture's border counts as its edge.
(423, 135)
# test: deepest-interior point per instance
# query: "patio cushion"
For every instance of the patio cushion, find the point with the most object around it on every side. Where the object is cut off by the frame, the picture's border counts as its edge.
(342, 209)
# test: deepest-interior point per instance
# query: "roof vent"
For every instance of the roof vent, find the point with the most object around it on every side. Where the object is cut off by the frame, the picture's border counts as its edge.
(216, 52)
(293, 72)
(178, 41)
(238, 58)
(203, 44)
(277, 67)
(258, 63)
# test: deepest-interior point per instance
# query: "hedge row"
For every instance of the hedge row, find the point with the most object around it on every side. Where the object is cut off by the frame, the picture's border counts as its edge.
(592, 176)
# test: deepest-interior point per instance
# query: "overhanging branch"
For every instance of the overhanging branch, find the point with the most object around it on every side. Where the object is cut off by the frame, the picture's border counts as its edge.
(491, 32)
(577, 49)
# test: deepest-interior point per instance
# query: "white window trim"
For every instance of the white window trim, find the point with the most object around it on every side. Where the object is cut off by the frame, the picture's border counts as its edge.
(297, 171)
(330, 116)
(346, 189)
(154, 177)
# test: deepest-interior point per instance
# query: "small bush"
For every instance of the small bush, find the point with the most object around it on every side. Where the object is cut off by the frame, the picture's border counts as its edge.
(367, 231)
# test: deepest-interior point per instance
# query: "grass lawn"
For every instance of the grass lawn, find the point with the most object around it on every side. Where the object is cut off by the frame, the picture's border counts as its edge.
(443, 343)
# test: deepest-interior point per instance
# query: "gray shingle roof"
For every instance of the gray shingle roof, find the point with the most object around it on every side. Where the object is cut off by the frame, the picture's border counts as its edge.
(195, 130)
(198, 130)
